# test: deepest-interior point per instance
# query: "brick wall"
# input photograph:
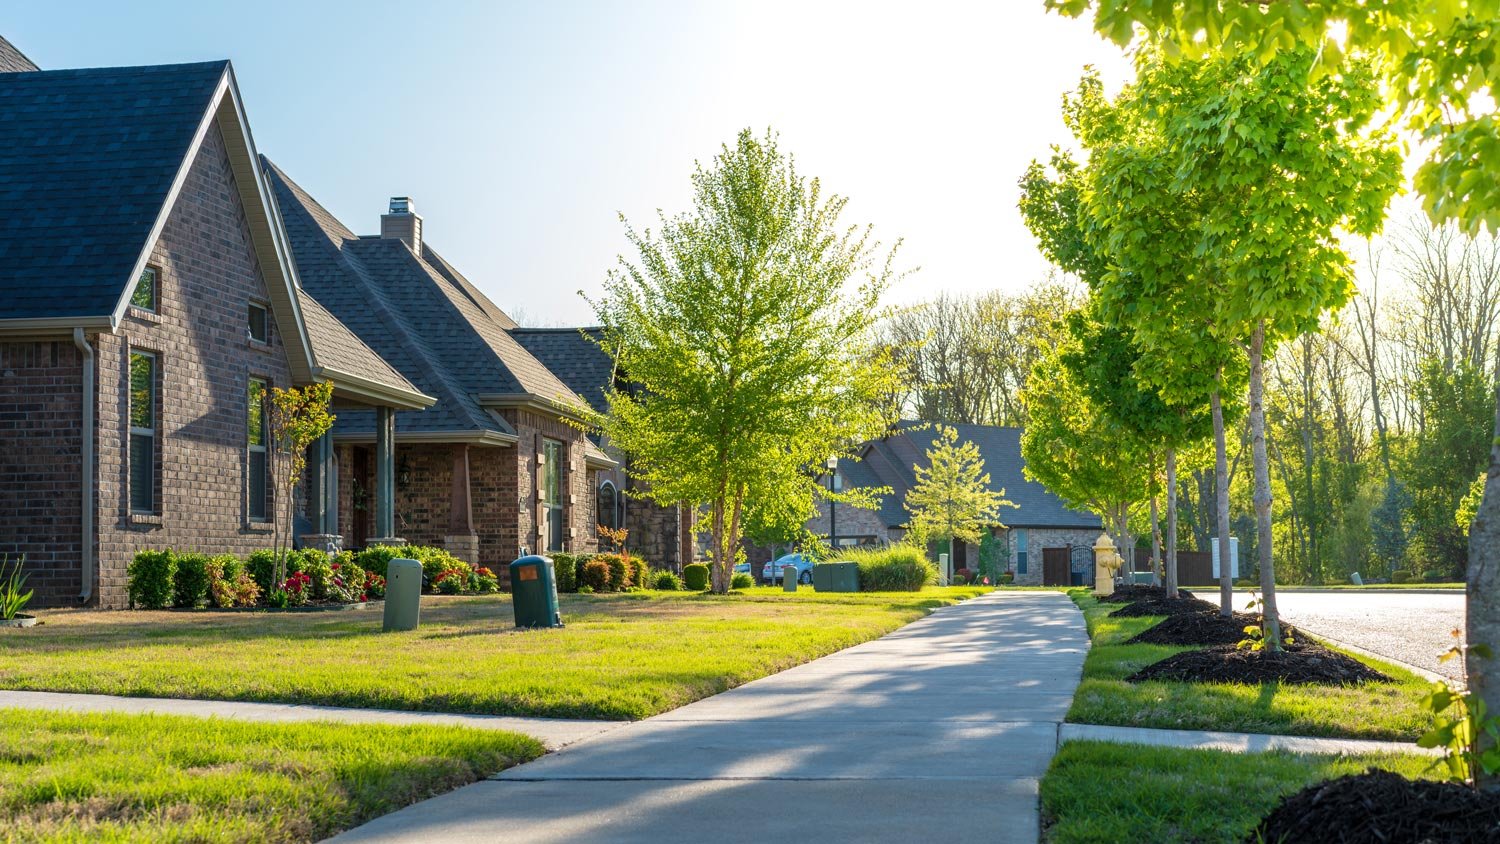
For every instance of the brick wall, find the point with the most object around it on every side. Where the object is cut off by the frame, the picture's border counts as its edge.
(40, 460)
(208, 275)
(1039, 538)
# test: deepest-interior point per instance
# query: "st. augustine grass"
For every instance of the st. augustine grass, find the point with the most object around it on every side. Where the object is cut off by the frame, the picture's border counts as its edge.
(73, 777)
(1368, 710)
(1101, 793)
(622, 656)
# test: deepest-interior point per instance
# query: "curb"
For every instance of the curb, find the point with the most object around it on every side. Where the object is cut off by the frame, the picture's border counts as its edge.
(1234, 742)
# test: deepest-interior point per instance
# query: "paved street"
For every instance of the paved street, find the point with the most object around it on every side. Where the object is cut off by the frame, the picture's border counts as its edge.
(939, 731)
(1412, 628)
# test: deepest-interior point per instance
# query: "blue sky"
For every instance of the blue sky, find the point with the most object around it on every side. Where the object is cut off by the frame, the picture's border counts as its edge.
(522, 130)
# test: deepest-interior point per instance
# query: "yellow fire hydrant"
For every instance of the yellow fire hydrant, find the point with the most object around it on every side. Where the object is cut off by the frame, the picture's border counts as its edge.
(1106, 563)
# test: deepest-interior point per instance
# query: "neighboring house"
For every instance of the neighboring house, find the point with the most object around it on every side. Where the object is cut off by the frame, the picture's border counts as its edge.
(662, 535)
(148, 303)
(1040, 522)
(499, 466)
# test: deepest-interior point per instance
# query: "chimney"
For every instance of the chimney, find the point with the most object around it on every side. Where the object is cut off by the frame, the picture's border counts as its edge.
(403, 223)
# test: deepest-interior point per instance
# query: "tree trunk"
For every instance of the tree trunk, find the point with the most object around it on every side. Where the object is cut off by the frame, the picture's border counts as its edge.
(718, 583)
(1270, 624)
(1483, 602)
(1221, 506)
(1155, 544)
(1171, 523)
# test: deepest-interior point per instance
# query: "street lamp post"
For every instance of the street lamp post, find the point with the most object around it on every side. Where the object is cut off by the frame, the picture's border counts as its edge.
(833, 534)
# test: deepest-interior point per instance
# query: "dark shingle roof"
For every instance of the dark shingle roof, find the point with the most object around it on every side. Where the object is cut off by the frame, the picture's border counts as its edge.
(336, 347)
(87, 158)
(889, 462)
(574, 355)
(438, 330)
(13, 60)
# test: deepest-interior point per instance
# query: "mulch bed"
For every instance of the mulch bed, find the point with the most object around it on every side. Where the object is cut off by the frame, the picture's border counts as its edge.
(1131, 594)
(1199, 628)
(1302, 662)
(1379, 807)
(1186, 605)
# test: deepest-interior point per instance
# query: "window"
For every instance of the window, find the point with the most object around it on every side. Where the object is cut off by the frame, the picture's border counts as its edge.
(552, 494)
(258, 322)
(142, 432)
(609, 507)
(256, 460)
(145, 294)
(1021, 551)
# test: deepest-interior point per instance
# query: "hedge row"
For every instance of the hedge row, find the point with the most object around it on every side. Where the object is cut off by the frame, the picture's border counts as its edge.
(598, 572)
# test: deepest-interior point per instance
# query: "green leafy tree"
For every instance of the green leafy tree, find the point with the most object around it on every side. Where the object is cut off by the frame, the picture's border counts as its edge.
(1467, 508)
(1452, 447)
(296, 418)
(952, 499)
(1071, 446)
(746, 327)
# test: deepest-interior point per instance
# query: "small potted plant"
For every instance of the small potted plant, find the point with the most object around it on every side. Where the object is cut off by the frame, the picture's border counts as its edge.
(12, 599)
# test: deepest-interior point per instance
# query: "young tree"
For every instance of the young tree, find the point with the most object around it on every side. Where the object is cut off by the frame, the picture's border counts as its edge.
(295, 419)
(746, 327)
(1072, 447)
(952, 498)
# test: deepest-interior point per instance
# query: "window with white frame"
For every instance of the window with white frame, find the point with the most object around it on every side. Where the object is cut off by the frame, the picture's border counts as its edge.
(257, 462)
(147, 291)
(260, 322)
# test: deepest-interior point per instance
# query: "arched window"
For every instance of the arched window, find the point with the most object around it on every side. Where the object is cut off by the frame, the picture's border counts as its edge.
(609, 505)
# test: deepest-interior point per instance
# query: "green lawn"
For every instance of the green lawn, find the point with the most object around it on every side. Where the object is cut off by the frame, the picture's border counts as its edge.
(159, 778)
(1345, 587)
(1100, 793)
(620, 656)
(1371, 711)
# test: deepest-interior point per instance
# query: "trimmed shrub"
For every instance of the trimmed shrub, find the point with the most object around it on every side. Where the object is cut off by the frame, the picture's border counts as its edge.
(378, 558)
(963, 577)
(1400, 576)
(639, 572)
(897, 568)
(595, 576)
(695, 577)
(262, 567)
(190, 582)
(619, 570)
(1008, 577)
(152, 575)
(434, 561)
(1433, 576)
(1246, 584)
(741, 580)
(565, 572)
(666, 581)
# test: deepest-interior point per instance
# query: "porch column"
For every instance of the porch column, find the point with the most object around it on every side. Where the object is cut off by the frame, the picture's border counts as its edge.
(461, 540)
(322, 497)
(385, 478)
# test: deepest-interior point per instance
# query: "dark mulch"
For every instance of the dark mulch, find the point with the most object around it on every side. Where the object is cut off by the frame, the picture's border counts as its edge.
(1131, 594)
(1301, 662)
(1185, 605)
(1199, 628)
(1379, 807)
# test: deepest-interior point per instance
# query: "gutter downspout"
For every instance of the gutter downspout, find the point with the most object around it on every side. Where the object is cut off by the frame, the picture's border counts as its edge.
(86, 559)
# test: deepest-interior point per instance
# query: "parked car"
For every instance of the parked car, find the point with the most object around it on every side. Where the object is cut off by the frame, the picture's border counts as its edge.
(772, 571)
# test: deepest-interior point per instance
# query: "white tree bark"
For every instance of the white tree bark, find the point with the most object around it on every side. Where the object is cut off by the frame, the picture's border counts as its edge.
(1221, 507)
(1483, 604)
(1270, 625)
(1171, 523)
(1156, 579)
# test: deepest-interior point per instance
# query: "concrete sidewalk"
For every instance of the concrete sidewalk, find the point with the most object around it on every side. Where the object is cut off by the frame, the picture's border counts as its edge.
(555, 733)
(939, 731)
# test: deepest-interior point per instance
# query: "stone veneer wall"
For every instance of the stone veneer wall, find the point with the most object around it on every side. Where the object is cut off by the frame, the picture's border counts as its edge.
(208, 276)
(41, 421)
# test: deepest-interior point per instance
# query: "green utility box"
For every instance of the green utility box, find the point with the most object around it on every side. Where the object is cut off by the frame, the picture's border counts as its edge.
(533, 592)
(403, 594)
(836, 577)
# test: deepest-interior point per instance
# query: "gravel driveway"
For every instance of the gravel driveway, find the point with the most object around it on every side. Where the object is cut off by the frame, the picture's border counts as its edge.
(1410, 628)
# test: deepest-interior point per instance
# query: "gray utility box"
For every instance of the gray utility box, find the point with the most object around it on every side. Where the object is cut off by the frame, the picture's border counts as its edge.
(533, 592)
(403, 594)
(836, 577)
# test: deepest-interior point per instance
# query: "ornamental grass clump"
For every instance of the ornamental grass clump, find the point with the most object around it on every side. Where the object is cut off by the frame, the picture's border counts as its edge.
(896, 568)
(12, 581)
(665, 581)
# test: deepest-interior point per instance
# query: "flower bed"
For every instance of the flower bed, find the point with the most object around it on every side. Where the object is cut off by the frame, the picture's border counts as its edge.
(159, 579)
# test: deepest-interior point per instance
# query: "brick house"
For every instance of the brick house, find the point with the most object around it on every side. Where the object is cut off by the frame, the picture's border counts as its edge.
(149, 304)
(1041, 522)
(499, 466)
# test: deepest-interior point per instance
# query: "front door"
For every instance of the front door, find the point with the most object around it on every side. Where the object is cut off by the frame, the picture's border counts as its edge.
(364, 497)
